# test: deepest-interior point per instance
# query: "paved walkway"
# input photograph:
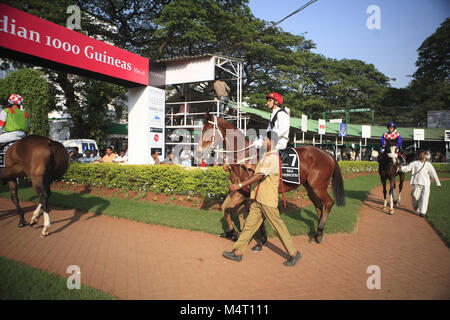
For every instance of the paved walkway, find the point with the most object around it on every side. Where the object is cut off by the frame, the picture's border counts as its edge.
(133, 260)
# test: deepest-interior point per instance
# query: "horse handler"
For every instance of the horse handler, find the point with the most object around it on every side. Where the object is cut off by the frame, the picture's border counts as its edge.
(421, 171)
(264, 190)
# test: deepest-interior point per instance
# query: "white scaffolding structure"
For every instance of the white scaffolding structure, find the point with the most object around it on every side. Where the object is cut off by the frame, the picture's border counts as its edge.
(200, 69)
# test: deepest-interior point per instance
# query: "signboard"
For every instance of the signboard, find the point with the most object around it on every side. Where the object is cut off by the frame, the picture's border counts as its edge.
(419, 134)
(304, 123)
(361, 110)
(343, 130)
(322, 126)
(190, 71)
(47, 43)
(447, 135)
(156, 119)
(335, 121)
(366, 131)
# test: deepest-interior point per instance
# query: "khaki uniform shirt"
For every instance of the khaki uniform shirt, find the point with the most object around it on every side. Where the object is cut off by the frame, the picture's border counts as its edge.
(221, 88)
(267, 194)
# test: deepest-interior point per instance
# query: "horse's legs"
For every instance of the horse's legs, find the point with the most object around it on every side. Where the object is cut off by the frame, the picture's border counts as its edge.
(232, 202)
(383, 182)
(391, 195)
(319, 209)
(42, 189)
(12, 184)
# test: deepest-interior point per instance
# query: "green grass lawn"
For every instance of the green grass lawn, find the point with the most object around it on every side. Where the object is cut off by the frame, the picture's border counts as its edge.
(438, 213)
(299, 221)
(21, 282)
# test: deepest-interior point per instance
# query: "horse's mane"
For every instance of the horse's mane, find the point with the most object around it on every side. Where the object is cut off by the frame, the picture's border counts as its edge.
(228, 125)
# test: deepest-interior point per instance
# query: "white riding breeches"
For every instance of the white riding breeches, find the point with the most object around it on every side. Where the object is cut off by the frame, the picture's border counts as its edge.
(11, 136)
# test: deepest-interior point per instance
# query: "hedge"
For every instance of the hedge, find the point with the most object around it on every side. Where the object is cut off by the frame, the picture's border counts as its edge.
(209, 183)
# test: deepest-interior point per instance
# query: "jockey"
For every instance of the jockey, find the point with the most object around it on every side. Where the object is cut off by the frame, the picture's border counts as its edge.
(13, 120)
(279, 120)
(392, 134)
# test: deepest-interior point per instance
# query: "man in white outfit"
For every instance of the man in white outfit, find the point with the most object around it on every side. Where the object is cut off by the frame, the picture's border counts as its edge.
(421, 171)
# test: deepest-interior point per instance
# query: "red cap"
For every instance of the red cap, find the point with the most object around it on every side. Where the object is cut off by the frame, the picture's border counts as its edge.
(276, 96)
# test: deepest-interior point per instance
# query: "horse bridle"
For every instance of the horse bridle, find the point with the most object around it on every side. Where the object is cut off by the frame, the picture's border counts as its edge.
(217, 128)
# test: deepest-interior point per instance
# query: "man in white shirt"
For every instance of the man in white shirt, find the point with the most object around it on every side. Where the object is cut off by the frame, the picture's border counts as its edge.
(421, 171)
(88, 158)
(279, 120)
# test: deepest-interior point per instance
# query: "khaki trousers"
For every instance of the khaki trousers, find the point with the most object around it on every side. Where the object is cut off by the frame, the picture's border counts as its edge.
(254, 220)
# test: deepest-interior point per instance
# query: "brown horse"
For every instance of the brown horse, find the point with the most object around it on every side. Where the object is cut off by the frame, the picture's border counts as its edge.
(43, 161)
(388, 168)
(317, 169)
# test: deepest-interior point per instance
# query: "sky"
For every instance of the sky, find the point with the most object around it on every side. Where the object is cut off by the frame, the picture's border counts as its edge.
(339, 29)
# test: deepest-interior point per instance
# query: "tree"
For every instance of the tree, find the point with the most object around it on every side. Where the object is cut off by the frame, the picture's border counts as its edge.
(430, 87)
(37, 94)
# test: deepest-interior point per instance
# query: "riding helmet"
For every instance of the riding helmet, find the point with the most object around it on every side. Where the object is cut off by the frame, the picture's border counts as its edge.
(15, 99)
(275, 96)
(392, 124)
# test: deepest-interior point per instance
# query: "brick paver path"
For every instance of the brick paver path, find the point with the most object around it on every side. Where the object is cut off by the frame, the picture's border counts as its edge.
(133, 260)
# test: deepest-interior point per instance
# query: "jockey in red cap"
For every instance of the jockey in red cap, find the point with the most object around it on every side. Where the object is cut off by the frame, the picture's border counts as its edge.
(13, 120)
(279, 120)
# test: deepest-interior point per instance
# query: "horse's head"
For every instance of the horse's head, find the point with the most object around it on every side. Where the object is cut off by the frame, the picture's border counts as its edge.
(391, 150)
(212, 134)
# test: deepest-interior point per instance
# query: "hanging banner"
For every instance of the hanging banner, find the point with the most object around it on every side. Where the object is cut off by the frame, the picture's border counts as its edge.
(46, 43)
(343, 130)
(304, 123)
(366, 131)
(322, 126)
(419, 134)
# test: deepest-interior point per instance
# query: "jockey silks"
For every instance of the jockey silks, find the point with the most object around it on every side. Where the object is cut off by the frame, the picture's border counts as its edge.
(17, 120)
(391, 136)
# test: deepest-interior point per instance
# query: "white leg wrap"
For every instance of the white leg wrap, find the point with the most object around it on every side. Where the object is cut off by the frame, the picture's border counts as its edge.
(46, 224)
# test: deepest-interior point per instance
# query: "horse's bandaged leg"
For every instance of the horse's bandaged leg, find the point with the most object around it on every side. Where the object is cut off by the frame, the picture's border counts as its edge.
(46, 224)
(36, 212)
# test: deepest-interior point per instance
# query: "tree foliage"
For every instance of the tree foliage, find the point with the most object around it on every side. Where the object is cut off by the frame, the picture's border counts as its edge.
(37, 94)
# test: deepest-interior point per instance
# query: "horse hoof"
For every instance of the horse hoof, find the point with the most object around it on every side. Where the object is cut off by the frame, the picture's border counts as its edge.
(319, 239)
(22, 224)
(391, 212)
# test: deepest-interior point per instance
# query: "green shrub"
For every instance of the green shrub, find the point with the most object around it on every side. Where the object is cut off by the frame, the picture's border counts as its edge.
(211, 183)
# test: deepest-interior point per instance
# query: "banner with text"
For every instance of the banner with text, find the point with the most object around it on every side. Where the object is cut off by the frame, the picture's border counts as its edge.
(28, 34)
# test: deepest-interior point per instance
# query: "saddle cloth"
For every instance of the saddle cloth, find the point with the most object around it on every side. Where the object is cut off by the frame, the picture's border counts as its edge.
(290, 164)
(3, 148)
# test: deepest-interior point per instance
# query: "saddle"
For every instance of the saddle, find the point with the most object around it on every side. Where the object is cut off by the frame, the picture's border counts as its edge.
(290, 164)
(3, 148)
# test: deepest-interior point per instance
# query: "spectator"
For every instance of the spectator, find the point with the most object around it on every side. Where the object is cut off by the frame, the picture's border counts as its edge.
(122, 158)
(88, 158)
(109, 156)
(170, 159)
(374, 155)
(222, 90)
(186, 157)
(154, 159)
(95, 156)
(76, 156)
(352, 155)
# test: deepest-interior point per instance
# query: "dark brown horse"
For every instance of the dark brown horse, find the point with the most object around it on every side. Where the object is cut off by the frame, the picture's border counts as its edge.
(388, 168)
(317, 169)
(43, 161)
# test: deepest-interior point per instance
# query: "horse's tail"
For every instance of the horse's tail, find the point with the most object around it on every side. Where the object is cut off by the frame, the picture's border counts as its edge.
(60, 160)
(338, 185)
